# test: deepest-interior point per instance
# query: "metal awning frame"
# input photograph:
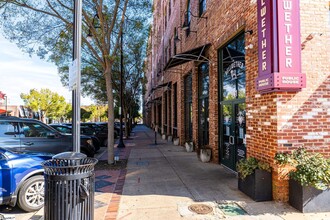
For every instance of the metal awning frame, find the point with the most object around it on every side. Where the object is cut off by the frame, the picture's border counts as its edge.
(187, 57)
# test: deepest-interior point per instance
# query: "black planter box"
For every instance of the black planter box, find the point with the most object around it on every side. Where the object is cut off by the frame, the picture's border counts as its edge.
(307, 198)
(258, 185)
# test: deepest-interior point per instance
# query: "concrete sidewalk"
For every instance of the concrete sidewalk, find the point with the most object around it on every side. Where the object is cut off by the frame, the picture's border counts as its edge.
(162, 181)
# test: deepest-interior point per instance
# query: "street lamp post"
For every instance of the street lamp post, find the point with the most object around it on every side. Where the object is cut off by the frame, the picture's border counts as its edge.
(76, 61)
(121, 142)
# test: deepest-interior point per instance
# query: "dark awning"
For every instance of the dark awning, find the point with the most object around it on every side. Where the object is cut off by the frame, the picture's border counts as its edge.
(160, 86)
(196, 54)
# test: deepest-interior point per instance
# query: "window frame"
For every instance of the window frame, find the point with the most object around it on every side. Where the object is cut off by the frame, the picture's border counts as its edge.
(202, 7)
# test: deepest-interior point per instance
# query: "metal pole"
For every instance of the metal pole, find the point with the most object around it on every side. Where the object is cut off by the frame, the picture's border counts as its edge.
(77, 58)
(121, 142)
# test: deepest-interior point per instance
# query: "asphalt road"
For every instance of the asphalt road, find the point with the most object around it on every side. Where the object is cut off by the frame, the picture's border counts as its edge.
(15, 213)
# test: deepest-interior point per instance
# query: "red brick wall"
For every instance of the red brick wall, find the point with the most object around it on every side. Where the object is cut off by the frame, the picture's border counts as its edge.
(276, 122)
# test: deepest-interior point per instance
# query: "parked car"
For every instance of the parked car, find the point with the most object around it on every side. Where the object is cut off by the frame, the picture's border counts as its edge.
(29, 135)
(101, 132)
(117, 126)
(67, 129)
(104, 128)
(21, 179)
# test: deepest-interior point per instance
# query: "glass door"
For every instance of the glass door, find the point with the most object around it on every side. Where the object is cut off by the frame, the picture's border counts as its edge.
(232, 82)
(233, 133)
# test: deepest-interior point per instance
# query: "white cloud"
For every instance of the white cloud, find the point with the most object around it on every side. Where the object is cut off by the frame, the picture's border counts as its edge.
(19, 73)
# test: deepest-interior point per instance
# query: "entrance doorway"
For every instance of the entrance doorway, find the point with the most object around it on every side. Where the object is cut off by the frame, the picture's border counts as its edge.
(233, 133)
(232, 145)
(188, 107)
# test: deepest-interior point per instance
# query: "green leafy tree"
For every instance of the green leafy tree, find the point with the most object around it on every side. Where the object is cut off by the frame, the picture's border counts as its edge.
(132, 79)
(45, 28)
(50, 103)
(97, 112)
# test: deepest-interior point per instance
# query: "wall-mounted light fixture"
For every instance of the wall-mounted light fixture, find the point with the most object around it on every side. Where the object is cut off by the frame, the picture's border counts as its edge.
(176, 38)
(90, 35)
(249, 32)
(250, 46)
(186, 23)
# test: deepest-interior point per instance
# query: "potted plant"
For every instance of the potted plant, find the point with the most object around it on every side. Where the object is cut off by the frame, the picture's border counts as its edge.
(176, 141)
(189, 146)
(255, 179)
(205, 154)
(309, 181)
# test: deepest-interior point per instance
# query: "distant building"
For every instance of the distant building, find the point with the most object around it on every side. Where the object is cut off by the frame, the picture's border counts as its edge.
(242, 78)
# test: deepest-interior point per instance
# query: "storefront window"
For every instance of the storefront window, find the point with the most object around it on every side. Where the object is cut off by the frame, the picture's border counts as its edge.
(233, 70)
(175, 109)
(203, 104)
(188, 107)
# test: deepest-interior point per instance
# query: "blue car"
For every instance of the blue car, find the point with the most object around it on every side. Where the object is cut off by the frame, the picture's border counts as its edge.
(22, 180)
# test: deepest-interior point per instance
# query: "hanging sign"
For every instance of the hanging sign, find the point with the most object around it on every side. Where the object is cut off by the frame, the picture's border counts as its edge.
(279, 46)
(73, 69)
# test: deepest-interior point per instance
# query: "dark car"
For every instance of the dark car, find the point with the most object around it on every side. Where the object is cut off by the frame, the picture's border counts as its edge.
(104, 128)
(67, 129)
(29, 135)
(101, 132)
(117, 126)
(21, 179)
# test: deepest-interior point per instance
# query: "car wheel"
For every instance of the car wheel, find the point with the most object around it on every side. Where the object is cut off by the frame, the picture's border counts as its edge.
(32, 193)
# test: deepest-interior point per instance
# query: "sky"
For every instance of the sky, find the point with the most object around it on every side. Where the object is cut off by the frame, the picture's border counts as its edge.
(19, 73)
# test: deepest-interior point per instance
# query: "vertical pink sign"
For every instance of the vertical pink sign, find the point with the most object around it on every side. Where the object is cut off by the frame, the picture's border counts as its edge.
(279, 46)
(265, 41)
(289, 36)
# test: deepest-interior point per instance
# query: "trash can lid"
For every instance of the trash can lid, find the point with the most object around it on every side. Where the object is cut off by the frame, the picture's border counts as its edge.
(70, 156)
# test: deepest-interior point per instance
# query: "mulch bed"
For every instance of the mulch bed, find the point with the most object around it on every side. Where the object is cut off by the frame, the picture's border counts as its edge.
(103, 165)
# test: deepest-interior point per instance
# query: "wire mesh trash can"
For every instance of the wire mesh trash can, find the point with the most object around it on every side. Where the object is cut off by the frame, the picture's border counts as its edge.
(69, 187)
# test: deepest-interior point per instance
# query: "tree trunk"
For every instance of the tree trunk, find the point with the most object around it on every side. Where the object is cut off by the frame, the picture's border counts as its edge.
(111, 139)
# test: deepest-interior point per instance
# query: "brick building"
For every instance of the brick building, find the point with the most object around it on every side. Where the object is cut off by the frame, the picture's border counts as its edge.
(244, 78)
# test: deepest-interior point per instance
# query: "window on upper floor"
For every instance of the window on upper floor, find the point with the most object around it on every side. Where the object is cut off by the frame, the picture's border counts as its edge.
(188, 13)
(169, 48)
(202, 7)
(165, 20)
(187, 19)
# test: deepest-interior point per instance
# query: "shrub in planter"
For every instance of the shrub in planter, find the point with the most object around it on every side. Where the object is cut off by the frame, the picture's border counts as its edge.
(309, 185)
(176, 141)
(189, 146)
(205, 154)
(255, 179)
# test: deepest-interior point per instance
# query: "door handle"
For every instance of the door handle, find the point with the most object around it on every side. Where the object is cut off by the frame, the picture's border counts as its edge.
(28, 143)
(231, 140)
